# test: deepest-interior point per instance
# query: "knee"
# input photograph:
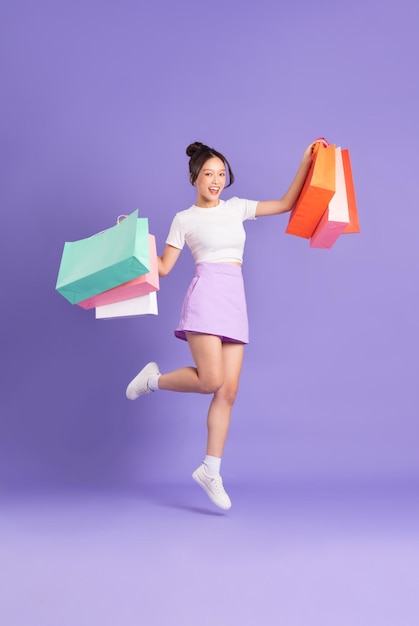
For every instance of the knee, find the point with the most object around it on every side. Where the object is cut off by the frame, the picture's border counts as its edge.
(211, 384)
(228, 393)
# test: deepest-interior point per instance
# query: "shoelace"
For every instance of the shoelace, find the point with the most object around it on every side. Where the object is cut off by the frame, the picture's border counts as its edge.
(218, 483)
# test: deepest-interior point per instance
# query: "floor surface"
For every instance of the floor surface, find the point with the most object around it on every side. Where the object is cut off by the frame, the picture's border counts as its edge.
(289, 555)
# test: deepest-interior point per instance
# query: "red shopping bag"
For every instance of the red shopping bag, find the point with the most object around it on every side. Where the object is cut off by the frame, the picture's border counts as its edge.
(134, 288)
(316, 194)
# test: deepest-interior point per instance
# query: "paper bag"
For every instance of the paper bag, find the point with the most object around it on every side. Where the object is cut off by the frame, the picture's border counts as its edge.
(316, 194)
(143, 305)
(106, 260)
(353, 226)
(336, 216)
(134, 288)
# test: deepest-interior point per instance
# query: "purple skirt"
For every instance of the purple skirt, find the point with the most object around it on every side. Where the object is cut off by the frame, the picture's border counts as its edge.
(215, 304)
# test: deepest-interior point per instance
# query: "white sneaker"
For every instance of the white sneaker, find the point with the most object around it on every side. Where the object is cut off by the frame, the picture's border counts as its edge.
(138, 386)
(213, 487)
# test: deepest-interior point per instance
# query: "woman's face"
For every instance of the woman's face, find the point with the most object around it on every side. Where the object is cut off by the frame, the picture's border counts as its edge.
(210, 182)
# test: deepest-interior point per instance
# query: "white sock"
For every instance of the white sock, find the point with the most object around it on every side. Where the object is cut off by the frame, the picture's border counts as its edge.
(153, 382)
(212, 465)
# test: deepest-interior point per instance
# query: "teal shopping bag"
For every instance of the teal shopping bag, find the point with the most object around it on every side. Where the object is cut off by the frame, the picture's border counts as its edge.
(113, 257)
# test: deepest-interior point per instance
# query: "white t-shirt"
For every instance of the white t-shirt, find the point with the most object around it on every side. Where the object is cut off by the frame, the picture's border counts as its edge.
(214, 235)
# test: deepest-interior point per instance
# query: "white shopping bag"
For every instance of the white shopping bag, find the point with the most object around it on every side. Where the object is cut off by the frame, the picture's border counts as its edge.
(143, 305)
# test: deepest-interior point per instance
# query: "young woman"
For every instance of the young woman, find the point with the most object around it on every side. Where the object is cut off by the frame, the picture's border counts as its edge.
(214, 317)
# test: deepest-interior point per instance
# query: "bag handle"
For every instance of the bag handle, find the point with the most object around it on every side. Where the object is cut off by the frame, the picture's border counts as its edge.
(323, 141)
(317, 142)
(119, 219)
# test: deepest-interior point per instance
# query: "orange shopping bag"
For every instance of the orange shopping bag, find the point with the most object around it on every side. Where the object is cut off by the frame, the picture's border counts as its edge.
(316, 194)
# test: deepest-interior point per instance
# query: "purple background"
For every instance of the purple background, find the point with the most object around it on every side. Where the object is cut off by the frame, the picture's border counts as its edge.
(100, 100)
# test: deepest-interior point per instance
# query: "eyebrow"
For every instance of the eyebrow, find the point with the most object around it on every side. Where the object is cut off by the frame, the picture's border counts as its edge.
(208, 169)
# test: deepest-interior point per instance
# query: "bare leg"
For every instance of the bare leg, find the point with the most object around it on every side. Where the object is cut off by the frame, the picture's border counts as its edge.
(218, 368)
(219, 413)
(207, 376)
(218, 423)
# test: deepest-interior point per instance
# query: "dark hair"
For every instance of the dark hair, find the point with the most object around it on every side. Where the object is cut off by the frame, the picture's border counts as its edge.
(199, 153)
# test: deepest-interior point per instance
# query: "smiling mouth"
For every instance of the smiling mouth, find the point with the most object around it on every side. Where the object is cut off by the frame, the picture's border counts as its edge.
(214, 189)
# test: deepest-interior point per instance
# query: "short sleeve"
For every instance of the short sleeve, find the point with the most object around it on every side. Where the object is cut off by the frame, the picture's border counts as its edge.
(249, 209)
(176, 236)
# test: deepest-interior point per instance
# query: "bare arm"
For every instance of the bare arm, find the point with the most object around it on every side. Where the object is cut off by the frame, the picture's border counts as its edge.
(168, 259)
(286, 203)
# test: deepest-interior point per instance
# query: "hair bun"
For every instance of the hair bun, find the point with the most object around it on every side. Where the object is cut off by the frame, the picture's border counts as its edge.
(194, 147)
